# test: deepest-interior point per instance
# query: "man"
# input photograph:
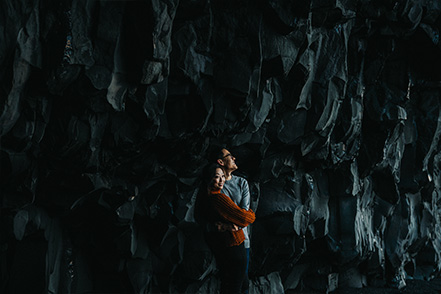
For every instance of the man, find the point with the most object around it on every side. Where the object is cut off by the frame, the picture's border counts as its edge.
(238, 190)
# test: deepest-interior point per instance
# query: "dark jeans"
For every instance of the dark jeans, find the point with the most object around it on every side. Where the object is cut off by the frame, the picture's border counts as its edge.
(246, 282)
(232, 264)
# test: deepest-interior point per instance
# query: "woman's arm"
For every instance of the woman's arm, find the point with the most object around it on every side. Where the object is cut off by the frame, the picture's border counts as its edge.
(231, 212)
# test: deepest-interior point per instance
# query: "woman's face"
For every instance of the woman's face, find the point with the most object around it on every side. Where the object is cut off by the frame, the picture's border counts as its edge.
(218, 179)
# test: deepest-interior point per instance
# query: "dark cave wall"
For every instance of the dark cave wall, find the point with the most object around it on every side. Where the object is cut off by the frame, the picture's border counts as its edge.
(109, 110)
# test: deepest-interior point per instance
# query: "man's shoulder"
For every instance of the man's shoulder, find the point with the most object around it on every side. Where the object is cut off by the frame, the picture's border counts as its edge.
(239, 179)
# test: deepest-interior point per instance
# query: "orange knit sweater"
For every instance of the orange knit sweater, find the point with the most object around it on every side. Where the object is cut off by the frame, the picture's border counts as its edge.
(230, 212)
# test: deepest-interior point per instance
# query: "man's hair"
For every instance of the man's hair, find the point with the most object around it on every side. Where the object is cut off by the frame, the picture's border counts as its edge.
(216, 153)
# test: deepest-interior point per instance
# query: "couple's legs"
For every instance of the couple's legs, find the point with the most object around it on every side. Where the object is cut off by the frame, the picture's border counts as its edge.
(232, 263)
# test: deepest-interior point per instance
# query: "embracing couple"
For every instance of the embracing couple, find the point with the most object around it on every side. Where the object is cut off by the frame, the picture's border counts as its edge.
(228, 214)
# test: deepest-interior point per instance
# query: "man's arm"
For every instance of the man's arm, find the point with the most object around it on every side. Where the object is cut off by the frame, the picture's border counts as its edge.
(245, 197)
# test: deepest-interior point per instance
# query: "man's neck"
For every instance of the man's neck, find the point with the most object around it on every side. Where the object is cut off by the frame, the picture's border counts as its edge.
(228, 175)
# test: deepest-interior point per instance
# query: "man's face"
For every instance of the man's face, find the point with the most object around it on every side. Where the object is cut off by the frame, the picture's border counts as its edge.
(228, 161)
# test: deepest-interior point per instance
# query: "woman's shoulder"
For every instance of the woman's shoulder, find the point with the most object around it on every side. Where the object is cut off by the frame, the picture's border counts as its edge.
(219, 195)
(216, 193)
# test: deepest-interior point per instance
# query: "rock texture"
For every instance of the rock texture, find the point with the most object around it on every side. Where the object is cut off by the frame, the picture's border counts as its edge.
(109, 109)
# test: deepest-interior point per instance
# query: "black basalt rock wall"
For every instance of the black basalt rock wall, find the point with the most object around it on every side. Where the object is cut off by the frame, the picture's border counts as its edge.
(109, 110)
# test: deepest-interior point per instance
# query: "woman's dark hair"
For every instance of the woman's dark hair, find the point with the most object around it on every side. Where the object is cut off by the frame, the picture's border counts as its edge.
(209, 172)
(207, 175)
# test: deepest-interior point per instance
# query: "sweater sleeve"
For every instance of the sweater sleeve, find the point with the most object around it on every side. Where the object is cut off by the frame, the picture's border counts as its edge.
(228, 210)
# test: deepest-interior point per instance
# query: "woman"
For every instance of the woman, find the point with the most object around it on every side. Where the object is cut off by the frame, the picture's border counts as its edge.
(227, 245)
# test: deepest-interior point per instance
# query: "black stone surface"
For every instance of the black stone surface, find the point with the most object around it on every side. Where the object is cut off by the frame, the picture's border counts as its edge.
(109, 109)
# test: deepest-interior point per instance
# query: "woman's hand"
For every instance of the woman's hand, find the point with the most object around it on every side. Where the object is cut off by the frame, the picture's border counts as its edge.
(235, 228)
(223, 227)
